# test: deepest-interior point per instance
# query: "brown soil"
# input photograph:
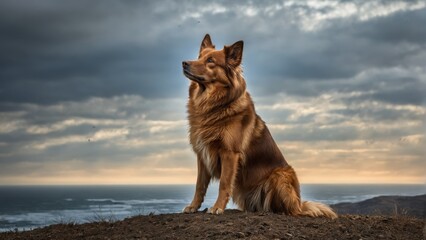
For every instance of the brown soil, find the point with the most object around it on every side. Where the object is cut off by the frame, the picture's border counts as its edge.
(235, 224)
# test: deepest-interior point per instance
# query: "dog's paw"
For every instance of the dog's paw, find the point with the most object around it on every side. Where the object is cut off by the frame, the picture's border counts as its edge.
(190, 209)
(215, 210)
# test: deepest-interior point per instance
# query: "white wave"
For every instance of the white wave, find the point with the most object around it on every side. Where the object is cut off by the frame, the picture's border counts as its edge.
(100, 200)
(110, 207)
(139, 202)
(20, 229)
(325, 201)
(28, 221)
(344, 198)
(37, 218)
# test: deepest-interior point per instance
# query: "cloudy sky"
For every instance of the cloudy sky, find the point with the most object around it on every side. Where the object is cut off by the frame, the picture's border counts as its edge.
(92, 92)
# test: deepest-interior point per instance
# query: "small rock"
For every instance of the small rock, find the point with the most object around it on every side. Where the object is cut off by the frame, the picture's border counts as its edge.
(312, 225)
(240, 235)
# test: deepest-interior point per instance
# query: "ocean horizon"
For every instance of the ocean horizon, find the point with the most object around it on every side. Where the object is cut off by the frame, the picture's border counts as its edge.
(29, 207)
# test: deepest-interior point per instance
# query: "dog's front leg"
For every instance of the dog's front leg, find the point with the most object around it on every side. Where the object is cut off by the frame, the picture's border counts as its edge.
(203, 180)
(229, 165)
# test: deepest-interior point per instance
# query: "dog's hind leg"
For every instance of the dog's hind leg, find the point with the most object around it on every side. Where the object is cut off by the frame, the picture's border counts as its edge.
(283, 195)
(281, 191)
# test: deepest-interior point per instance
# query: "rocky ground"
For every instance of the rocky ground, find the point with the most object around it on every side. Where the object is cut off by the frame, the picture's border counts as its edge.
(391, 217)
(233, 225)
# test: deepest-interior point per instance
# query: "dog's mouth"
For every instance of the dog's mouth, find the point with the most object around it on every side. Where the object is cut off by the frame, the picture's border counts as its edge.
(193, 77)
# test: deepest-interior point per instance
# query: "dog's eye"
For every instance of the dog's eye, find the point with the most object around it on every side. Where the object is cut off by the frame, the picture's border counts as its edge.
(209, 60)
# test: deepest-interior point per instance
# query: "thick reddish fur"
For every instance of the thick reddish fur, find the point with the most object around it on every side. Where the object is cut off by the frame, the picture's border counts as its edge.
(232, 142)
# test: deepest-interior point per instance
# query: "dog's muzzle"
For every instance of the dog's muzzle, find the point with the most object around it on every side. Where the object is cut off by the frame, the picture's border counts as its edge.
(187, 72)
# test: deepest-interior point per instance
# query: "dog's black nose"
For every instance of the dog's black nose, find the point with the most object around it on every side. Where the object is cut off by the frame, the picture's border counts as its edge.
(185, 65)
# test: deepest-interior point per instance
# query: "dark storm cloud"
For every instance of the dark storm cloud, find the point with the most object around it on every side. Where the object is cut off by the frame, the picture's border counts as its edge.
(60, 52)
(402, 27)
(379, 115)
(56, 52)
(413, 94)
(327, 59)
(311, 63)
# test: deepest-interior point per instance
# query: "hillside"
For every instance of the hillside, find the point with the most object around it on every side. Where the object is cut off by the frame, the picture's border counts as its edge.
(389, 219)
(386, 205)
(232, 225)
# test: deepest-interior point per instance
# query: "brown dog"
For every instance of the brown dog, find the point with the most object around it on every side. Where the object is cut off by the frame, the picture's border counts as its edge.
(232, 142)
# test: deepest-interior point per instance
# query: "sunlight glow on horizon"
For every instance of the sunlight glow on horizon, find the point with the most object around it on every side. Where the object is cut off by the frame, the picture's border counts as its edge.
(188, 176)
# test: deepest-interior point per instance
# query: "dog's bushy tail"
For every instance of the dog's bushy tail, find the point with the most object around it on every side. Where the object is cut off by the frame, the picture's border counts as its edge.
(280, 192)
(316, 209)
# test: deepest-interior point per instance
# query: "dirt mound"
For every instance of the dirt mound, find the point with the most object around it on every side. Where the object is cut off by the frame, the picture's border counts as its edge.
(232, 225)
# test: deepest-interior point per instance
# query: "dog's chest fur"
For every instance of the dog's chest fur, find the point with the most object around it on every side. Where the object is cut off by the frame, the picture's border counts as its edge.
(207, 142)
(225, 128)
(209, 158)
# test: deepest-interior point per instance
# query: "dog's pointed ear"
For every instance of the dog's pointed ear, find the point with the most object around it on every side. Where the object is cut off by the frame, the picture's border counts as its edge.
(234, 53)
(206, 43)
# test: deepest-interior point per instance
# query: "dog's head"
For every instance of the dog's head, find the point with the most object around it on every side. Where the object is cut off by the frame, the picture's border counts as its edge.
(215, 68)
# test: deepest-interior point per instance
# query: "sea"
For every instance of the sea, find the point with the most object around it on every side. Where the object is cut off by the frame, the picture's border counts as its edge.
(28, 207)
